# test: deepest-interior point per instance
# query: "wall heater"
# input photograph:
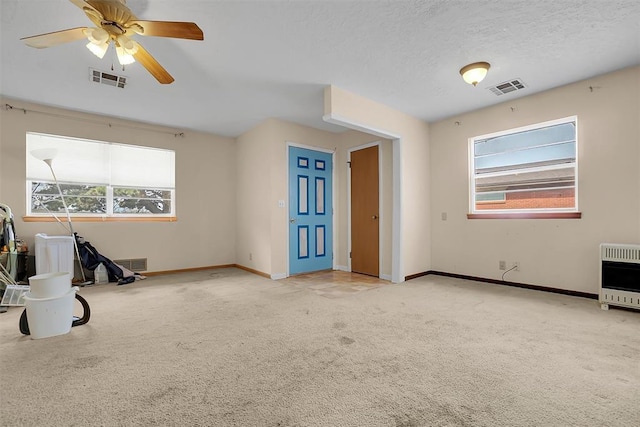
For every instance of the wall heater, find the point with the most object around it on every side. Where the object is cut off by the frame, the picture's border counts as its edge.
(619, 275)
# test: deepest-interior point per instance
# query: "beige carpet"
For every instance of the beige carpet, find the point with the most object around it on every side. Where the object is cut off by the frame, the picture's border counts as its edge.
(228, 348)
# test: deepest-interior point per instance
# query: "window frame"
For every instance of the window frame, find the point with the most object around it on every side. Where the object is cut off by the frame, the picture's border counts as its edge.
(109, 215)
(535, 213)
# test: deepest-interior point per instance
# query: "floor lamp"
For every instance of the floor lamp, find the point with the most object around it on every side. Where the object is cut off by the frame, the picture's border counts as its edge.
(47, 155)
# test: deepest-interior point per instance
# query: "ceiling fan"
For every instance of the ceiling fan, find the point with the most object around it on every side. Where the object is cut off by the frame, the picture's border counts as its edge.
(115, 22)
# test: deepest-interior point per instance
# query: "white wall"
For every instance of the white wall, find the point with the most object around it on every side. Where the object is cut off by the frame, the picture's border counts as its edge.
(253, 184)
(262, 181)
(411, 198)
(204, 234)
(262, 169)
(555, 253)
(284, 132)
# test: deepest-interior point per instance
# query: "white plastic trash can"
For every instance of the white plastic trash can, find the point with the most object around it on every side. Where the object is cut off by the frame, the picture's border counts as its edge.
(54, 254)
(49, 285)
(49, 317)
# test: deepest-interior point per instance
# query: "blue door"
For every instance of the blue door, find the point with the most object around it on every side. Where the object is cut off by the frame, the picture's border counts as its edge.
(310, 210)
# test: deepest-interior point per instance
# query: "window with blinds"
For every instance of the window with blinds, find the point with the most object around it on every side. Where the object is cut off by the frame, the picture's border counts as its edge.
(98, 178)
(529, 169)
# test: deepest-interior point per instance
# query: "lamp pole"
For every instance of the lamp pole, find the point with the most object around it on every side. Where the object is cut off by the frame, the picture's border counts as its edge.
(66, 210)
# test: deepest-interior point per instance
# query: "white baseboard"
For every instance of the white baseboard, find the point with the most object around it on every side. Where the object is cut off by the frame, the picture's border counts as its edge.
(385, 277)
(342, 268)
(278, 276)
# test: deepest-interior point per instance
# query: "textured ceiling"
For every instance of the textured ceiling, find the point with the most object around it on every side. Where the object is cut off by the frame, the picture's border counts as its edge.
(267, 58)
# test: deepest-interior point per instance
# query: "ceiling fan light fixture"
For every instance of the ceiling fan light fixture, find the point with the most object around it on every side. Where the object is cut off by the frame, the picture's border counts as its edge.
(129, 46)
(124, 58)
(97, 35)
(112, 19)
(475, 73)
(98, 50)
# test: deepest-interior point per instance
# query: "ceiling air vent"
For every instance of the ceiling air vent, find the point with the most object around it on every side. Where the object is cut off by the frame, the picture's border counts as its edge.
(114, 80)
(506, 87)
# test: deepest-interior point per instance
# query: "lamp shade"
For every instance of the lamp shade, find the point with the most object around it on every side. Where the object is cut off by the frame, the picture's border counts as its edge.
(98, 41)
(475, 73)
(44, 154)
(124, 58)
(98, 49)
(96, 35)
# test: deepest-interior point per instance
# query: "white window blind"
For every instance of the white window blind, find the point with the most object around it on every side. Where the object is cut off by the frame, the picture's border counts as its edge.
(93, 162)
(142, 167)
(99, 178)
(74, 161)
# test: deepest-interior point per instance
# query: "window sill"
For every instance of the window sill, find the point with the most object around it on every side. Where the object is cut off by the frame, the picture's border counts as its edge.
(530, 215)
(101, 219)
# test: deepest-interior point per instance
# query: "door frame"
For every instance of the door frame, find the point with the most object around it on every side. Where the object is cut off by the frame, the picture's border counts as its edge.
(333, 199)
(397, 241)
(380, 206)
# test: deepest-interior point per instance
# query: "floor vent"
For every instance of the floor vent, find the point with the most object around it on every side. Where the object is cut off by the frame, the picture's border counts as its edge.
(14, 295)
(506, 87)
(108, 79)
(135, 264)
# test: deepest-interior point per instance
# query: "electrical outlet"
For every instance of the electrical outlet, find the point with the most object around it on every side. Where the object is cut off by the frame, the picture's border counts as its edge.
(516, 266)
(503, 265)
(250, 256)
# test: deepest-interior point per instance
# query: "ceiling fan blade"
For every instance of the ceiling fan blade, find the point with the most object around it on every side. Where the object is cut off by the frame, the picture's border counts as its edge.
(57, 37)
(152, 66)
(81, 3)
(177, 30)
(94, 15)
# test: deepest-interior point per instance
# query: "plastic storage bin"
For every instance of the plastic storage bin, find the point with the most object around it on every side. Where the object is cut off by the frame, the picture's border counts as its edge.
(49, 317)
(54, 254)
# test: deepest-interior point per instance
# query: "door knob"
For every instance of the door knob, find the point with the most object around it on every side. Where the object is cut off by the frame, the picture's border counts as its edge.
(374, 217)
(292, 220)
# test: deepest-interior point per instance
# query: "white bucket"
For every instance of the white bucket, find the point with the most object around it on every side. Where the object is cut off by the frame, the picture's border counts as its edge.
(49, 317)
(49, 285)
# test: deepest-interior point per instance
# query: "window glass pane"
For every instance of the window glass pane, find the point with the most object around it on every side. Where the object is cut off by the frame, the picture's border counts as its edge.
(491, 197)
(526, 170)
(142, 193)
(535, 156)
(85, 199)
(561, 198)
(141, 201)
(545, 135)
(519, 180)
